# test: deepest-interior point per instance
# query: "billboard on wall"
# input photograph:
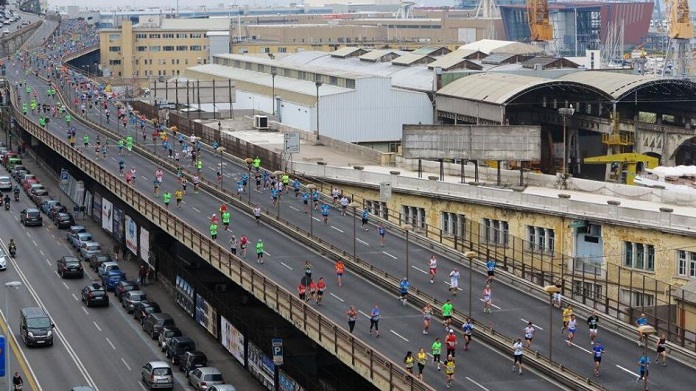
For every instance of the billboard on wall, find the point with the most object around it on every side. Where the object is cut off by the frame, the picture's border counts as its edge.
(261, 366)
(145, 245)
(287, 383)
(206, 315)
(97, 208)
(107, 215)
(184, 295)
(131, 235)
(118, 233)
(232, 339)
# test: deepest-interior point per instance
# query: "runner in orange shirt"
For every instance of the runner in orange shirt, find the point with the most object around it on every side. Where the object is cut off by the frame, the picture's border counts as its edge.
(302, 291)
(340, 269)
(321, 286)
(312, 291)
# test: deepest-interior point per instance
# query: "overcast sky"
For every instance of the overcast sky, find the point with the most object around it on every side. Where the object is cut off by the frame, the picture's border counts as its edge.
(194, 3)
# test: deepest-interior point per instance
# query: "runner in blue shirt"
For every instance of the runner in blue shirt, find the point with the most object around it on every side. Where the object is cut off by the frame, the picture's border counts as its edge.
(305, 201)
(403, 290)
(296, 186)
(490, 266)
(315, 198)
(467, 329)
(245, 180)
(642, 321)
(240, 187)
(643, 369)
(274, 195)
(363, 218)
(597, 351)
(381, 231)
(325, 213)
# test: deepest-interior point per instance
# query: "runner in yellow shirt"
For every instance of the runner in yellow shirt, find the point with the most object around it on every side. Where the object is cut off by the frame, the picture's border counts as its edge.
(449, 370)
(421, 358)
(179, 195)
(567, 313)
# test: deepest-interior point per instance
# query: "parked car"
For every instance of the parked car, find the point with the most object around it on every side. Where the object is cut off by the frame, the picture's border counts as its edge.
(125, 286)
(3, 260)
(177, 346)
(130, 299)
(40, 197)
(27, 184)
(17, 171)
(46, 206)
(95, 294)
(27, 177)
(201, 378)
(143, 309)
(79, 238)
(111, 278)
(5, 183)
(157, 374)
(222, 387)
(69, 266)
(30, 216)
(88, 249)
(64, 220)
(107, 267)
(55, 210)
(74, 230)
(97, 259)
(166, 334)
(191, 360)
(155, 321)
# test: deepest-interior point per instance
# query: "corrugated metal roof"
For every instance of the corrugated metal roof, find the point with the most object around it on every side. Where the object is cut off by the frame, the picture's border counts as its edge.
(489, 46)
(687, 292)
(497, 59)
(347, 51)
(447, 63)
(299, 61)
(613, 83)
(201, 24)
(495, 88)
(375, 55)
(428, 50)
(410, 58)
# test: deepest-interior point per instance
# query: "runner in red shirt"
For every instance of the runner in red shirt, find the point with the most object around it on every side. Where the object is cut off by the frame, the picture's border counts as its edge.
(321, 286)
(451, 343)
(302, 291)
(312, 291)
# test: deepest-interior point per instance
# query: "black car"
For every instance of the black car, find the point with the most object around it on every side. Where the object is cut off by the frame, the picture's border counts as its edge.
(124, 286)
(64, 220)
(95, 294)
(69, 266)
(17, 171)
(143, 309)
(97, 259)
(177, 346)
(191, 360)
(30, 216)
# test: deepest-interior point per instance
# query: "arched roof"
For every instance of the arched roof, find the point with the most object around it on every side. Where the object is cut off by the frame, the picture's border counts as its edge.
(621, 85)
(503, 88)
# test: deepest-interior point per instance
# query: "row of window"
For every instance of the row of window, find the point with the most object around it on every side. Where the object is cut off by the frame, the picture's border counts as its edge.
(163, 35)
(167, 48)
(291, 73)
(174, 61)
(594, 291)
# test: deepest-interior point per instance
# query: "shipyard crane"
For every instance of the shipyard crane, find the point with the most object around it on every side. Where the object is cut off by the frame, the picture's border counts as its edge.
(538, 19)
(679, 53)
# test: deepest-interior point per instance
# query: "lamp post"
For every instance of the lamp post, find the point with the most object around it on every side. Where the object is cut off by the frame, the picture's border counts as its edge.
(551, 290)
(249, 161)
(273, 75)
(278, 174)
(311, 188)
(354, 205)
(565, 112)
(14, 285)
(646, 331)
(221, 150)
(407, 228)
(318, 84)
(470, 255)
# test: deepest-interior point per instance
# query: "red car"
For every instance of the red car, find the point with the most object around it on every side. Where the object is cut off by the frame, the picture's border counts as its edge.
(29, 182)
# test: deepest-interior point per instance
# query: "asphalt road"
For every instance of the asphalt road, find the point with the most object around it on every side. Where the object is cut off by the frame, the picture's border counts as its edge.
(18, 362)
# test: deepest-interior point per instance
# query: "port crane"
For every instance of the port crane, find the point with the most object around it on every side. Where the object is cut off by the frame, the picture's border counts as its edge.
(680, 31)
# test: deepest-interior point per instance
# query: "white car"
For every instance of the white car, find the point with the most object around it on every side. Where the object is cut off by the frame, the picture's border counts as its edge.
(5, 183)
(157, 374)
(3, 260)
(204, 377)
(222, 387)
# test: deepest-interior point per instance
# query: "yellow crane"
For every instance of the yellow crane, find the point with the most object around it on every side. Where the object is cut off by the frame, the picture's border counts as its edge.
(539, 22)
(681, 31)
(624, 166)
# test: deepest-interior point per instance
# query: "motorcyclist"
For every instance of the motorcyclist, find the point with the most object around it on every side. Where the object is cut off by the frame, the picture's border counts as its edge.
(12, 246)
(17, 381)
(7, 201)
(16, 192)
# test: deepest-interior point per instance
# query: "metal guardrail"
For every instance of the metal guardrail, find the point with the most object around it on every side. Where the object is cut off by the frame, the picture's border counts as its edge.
(363, 359)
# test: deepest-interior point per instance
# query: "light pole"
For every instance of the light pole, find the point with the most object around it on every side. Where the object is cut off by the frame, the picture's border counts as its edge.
(318, 84)
(646, 331)
(565, 112)
(354, 205)
(14, 285)
(407, 228)
(273, 75)
(311, 188)
(551, 290)
(470, 255)
(249, 161)
(278, 174)
(221, 150)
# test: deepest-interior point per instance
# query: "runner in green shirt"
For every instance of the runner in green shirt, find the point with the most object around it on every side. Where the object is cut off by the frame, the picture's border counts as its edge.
(447, 310)
(437, 350)
(213, 231)
(129, 143)
(226, 220)
(259, 251)
(167, 196)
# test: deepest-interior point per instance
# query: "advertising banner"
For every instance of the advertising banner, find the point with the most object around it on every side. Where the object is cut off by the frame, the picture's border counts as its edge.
(232, 339)
(131, 235)
(287, 383)
(145, 245)
(117, 232)
(184, 295)
(206, 315)
(97, 208)
(107, 215)
(261, 366)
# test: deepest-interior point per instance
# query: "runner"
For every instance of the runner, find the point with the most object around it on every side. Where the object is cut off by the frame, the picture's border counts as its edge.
(184, 182)
(572, 324)
(335, 194)
(447, 311)
(159, 175)
(451, 343)
(567, 312)
(195, 180)
(518, 351)
(257, 214)
(226, 219)
(381, 231)
(302, 291)
(597, 351)
(449, 370)
(403, 290)
(374, 320)
(312, 292)
(167, 197)
(340, 269)
(490, 267)
(436, 350)
(593, 323)
(363, 219)
(133, 174)
(642, 321)
(421, 358)
(487, 299)
(468, 330)
(427, 316)
(325, 213)
(233, 245)
(315, 198)
(344, 205)
(409, 360)
(643, 369)
(156, 185)
(662, 350)
(321, 287)
(179, 195)
(352, 315)
(259, 251)
(529, 332)
(296, 185)
(305, 201)
(243, 243)
(307, 270)
(240, 188)
(454, 281)
(432, 267)
(213, 230)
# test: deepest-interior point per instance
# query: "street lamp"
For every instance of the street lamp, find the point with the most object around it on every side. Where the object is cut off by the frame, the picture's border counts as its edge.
(646, 331)
(407, 228)
(354, 205)
(273, 75)
(470, 255)
(318, 84)
(565, 112)
(278, 174)
(14, 285)
(221, 150)
(551, 290)
(249, 162)
(311, 188)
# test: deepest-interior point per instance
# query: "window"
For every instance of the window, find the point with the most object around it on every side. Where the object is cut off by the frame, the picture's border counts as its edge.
(639, 256)
(637, 299)
(195, 48)
(686, 263)
(377, 208)
(495, 231)
(141, 48)
(140, 36)
(168, 36)
(181, 48)
(587, 289)
(196, 35)
(182, 35)
(453, 224)
(114, 48)
(413, 215)
(282, 50)
(113, 37)
(114, 62)
(155, 36)
(168, 48)
(155, 48)
(540, 239)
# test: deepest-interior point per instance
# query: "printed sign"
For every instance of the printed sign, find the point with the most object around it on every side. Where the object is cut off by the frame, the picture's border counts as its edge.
(131, 235)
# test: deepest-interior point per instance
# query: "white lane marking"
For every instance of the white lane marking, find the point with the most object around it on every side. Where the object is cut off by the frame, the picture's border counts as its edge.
(142, 386)
(535, 326)
(34, 241)
(627, 370)
(419, 269)
(284, 264)
(315, 219)
(389, 255)
(339, 230)
(75, 297)
(398, 335)
(28, 234)
(97, 326)
(448, 284)
(293, 208)
(361, 241)
(579, 347)
(113, 158)
(492, 305)
(85, 311)
(195, 209)
(479, 385)
(337, 298)
(42, 253)
(111, 344)
(364, 314)
(143, 177)
(266, 253)
(65, 285)
(126, 364)
(48, 262)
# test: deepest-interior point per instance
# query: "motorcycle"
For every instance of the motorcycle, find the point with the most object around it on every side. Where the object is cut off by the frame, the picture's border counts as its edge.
(13, 251)
(7, 205)
(16, 197)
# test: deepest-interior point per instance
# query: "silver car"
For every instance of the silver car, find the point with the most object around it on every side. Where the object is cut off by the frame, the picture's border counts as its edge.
(204, 377)
(222, 387)
(87, 249)
(3, 260)
(157, 374)
(131, 298)
(5, 183)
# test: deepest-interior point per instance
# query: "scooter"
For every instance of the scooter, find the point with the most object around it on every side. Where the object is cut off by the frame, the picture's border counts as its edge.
(7, 206)
(16, 197)
(13, 251)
